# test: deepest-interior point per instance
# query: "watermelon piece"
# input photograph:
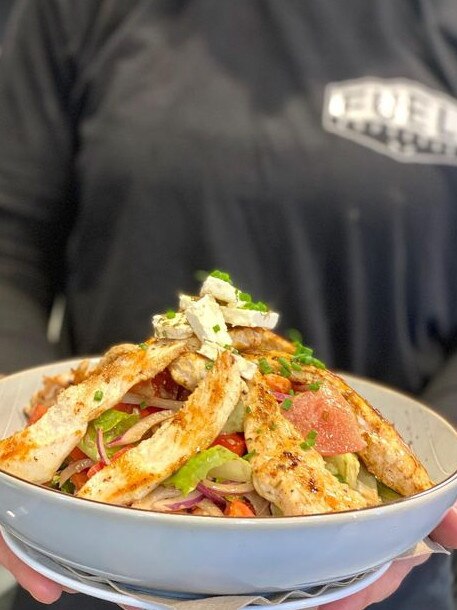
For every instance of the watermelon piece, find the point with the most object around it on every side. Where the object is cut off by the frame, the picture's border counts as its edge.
(327, 412)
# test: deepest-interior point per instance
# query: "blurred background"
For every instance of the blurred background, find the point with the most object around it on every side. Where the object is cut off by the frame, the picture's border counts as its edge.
(6, 582)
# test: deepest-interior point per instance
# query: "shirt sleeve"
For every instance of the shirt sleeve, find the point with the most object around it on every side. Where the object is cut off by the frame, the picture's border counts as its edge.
(36, 206)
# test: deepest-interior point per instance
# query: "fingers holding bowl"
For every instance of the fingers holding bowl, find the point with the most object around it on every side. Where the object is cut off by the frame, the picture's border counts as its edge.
(42, 589)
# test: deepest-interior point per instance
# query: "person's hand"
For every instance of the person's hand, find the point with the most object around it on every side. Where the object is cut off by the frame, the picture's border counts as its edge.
(47, 591)
(39, 587)
(445, 534)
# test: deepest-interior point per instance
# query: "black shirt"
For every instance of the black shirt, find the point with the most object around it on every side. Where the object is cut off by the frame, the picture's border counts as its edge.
(309, 148)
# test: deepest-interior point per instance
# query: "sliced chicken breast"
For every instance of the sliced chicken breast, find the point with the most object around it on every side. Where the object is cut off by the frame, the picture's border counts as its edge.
(36, 452)
(386, 455)
(195, 426)
(293, 478)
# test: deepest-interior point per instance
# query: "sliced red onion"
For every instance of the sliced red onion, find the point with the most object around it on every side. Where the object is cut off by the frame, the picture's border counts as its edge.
(212, 495)
(210, 508)
(152, 500)
(153, 401)
(138, 430)
(229, 488)
(185, 501)
(280, 396)
(73, 468)
(101, 447)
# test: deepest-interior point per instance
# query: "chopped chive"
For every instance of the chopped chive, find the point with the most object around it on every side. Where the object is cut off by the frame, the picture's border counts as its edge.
(264, 366)
(98, 395)
(143, 346)
(294, 335)
(170, 314)
(294, 366)
(216, 328)
(142, 404)
(286, 404)
(209, 365)
(248, 410)
(291, 392)
(309, 441)
(284, 363)
(259, 306)
(304, 355)
(315, 386)
(245, 296)
(221, 275)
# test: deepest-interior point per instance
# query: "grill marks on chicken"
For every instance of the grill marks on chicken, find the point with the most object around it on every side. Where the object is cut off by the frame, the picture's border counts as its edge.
(192, 429)
(295, 480)
(386, 455)
(36, 452)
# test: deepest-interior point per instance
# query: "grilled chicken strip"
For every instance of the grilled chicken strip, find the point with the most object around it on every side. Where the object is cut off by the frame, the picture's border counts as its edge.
(294, 479)
(386, 455)
(36, 452)
(244, 338)
(194, 427)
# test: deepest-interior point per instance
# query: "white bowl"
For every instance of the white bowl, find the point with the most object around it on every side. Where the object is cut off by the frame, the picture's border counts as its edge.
(228, 556)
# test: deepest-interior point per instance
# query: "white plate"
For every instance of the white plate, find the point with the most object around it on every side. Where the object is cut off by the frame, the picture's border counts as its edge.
(105, 590)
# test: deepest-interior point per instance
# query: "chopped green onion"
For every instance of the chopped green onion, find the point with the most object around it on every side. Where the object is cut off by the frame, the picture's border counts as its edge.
(142, 404)
(170, 314)
(286, 404)
(244, 296)
(315, 386)
(216, 328)
(291, 392)
(143, 346)
(248, 410)
(209, 365)
(304, 355)
(294, 366)
(294, 335)
(98, 395)
(309, 441)
(259, 306)
(221, 275)
(264, 366)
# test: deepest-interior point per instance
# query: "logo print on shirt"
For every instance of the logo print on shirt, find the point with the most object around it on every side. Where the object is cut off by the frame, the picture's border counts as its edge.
(396, 117)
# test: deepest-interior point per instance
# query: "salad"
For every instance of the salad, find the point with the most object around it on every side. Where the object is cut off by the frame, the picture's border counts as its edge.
(214, 415)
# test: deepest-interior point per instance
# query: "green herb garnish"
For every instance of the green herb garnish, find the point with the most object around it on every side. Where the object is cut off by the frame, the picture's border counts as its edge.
(286, 404)
(170, 314)
(264, 366)
(304, 355)
(285, 369)
(216, 328)
(309, 441)
(98, 395)
(221, 275)
(244, 296)
(248, 410)
(143, 346)
(209, 365)
(315, 386)
(142, 404)
(259, 306)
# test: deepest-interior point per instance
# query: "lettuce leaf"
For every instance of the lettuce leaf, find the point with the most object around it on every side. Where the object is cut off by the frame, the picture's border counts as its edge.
(113, 423)
(196, 469)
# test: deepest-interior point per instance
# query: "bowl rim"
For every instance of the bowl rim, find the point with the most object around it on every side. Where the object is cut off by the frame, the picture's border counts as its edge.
(256, 522)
